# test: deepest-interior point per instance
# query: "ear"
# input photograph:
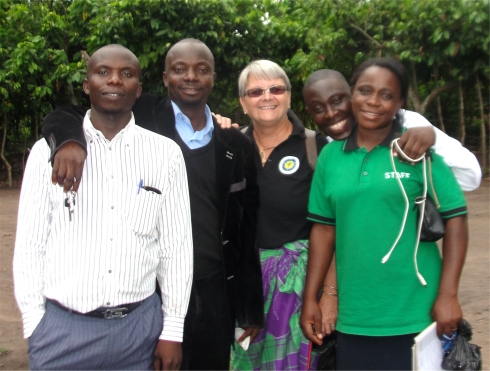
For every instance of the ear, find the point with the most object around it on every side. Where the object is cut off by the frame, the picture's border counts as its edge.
(140, 89)
(242, 102)
(85, 86)
(401, 104)
(165, 79)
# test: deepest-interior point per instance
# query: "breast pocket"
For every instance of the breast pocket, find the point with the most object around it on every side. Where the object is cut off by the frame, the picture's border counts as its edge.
(141, 211)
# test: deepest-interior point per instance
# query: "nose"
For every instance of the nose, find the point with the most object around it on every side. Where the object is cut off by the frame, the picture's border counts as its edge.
(373, 100)
(114, 79)
(330, 112)
(267, 94)
(190, 74)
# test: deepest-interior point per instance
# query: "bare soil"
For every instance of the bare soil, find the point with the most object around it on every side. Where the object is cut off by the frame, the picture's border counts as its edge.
(474, 288)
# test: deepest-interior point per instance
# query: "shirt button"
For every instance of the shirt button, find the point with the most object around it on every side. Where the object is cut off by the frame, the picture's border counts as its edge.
(112, 176)
(112, 207)
(365, 173)
(110, 148)
(108, 303)
(110, 271)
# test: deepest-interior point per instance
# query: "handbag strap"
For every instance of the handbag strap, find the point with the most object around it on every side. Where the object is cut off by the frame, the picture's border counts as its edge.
(420, 200)
(434, 194)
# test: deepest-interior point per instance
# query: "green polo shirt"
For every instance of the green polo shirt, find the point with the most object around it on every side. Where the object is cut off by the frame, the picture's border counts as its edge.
(358, 192)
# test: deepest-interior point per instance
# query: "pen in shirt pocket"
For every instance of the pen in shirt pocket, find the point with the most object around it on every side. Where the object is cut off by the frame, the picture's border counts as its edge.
(148, 188)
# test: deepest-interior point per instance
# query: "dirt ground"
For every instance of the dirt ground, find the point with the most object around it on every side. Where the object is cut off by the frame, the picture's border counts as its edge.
(474, 288)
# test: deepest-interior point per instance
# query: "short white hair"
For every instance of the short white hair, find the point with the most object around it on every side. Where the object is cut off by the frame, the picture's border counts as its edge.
(262, 69)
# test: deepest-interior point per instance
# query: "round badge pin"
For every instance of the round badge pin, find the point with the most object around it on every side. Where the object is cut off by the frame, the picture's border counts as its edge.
(289, 165)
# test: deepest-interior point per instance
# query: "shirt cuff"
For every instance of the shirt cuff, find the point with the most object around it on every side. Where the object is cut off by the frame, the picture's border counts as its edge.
(31, 320)
(173, 329)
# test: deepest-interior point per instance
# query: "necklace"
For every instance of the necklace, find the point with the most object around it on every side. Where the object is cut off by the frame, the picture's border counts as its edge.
(263, 159)
(262, 153)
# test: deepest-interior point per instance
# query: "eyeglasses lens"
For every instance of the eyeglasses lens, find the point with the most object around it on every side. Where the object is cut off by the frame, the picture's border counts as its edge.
(274, 90)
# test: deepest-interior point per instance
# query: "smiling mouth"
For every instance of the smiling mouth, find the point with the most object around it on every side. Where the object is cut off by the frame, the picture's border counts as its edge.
(267, 107)
(371, 114)
(113, 94)
(338, 125)
(190, 90)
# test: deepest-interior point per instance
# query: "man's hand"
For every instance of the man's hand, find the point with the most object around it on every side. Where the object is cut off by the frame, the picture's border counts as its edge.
(224, 122)
(329, 307)
(252, 331)
(167, 356)
(311, 322)
(68, 166)
(416, 141)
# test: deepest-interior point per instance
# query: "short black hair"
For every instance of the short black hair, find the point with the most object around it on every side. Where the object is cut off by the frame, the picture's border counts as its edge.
(115, 46)
(323, 74)
(190, 41)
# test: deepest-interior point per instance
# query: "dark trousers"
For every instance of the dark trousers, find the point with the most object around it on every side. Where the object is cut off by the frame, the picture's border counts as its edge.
(69, 341)
(356, 352)
(207, 327)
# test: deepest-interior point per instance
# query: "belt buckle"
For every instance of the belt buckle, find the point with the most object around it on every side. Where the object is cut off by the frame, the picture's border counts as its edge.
(115, 313)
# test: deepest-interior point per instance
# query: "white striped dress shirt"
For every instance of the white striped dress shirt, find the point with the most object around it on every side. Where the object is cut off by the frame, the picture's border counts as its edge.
(121, 237)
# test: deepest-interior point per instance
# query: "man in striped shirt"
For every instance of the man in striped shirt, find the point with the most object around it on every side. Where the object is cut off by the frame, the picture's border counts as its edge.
(85, 265)
(227, 281)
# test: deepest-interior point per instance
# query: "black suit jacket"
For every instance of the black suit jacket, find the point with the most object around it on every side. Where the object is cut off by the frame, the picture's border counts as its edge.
(235, 168)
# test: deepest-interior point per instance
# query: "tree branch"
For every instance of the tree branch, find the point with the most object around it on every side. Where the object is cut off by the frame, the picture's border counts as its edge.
(367, 36)
(435, 93)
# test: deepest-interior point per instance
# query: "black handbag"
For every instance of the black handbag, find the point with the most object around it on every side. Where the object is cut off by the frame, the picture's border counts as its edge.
(432, 225)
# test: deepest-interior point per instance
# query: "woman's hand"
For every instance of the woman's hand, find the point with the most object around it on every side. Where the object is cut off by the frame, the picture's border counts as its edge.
(447, 313)
(329, 308)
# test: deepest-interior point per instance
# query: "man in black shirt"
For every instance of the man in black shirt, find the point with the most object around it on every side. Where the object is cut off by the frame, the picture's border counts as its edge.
(227, 286)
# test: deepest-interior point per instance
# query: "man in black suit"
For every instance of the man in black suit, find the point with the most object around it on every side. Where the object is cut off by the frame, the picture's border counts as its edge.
(227, 286)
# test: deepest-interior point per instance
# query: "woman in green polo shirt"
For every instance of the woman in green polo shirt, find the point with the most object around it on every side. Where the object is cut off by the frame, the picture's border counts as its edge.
(357, 206)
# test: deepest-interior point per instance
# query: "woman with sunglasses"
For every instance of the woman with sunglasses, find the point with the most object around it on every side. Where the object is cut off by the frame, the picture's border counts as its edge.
(390, 286)
(284, 178)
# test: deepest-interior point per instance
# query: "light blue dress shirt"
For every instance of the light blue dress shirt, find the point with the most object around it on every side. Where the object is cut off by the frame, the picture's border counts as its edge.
(193, 139)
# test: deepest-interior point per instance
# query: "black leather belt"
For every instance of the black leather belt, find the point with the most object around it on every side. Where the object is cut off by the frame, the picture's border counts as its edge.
(120, 311)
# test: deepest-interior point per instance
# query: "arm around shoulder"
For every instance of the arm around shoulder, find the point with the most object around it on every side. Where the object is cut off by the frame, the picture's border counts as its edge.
(63, 131)
(62, 125)
(463, 163)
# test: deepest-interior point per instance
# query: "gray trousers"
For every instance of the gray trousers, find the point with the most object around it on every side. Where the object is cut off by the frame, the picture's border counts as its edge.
(68, 341)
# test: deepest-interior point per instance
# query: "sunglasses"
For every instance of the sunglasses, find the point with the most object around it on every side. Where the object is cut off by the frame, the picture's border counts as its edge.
(274, 90)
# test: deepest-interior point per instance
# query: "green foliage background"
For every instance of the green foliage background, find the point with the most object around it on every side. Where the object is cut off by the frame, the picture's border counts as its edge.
(443, 43)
